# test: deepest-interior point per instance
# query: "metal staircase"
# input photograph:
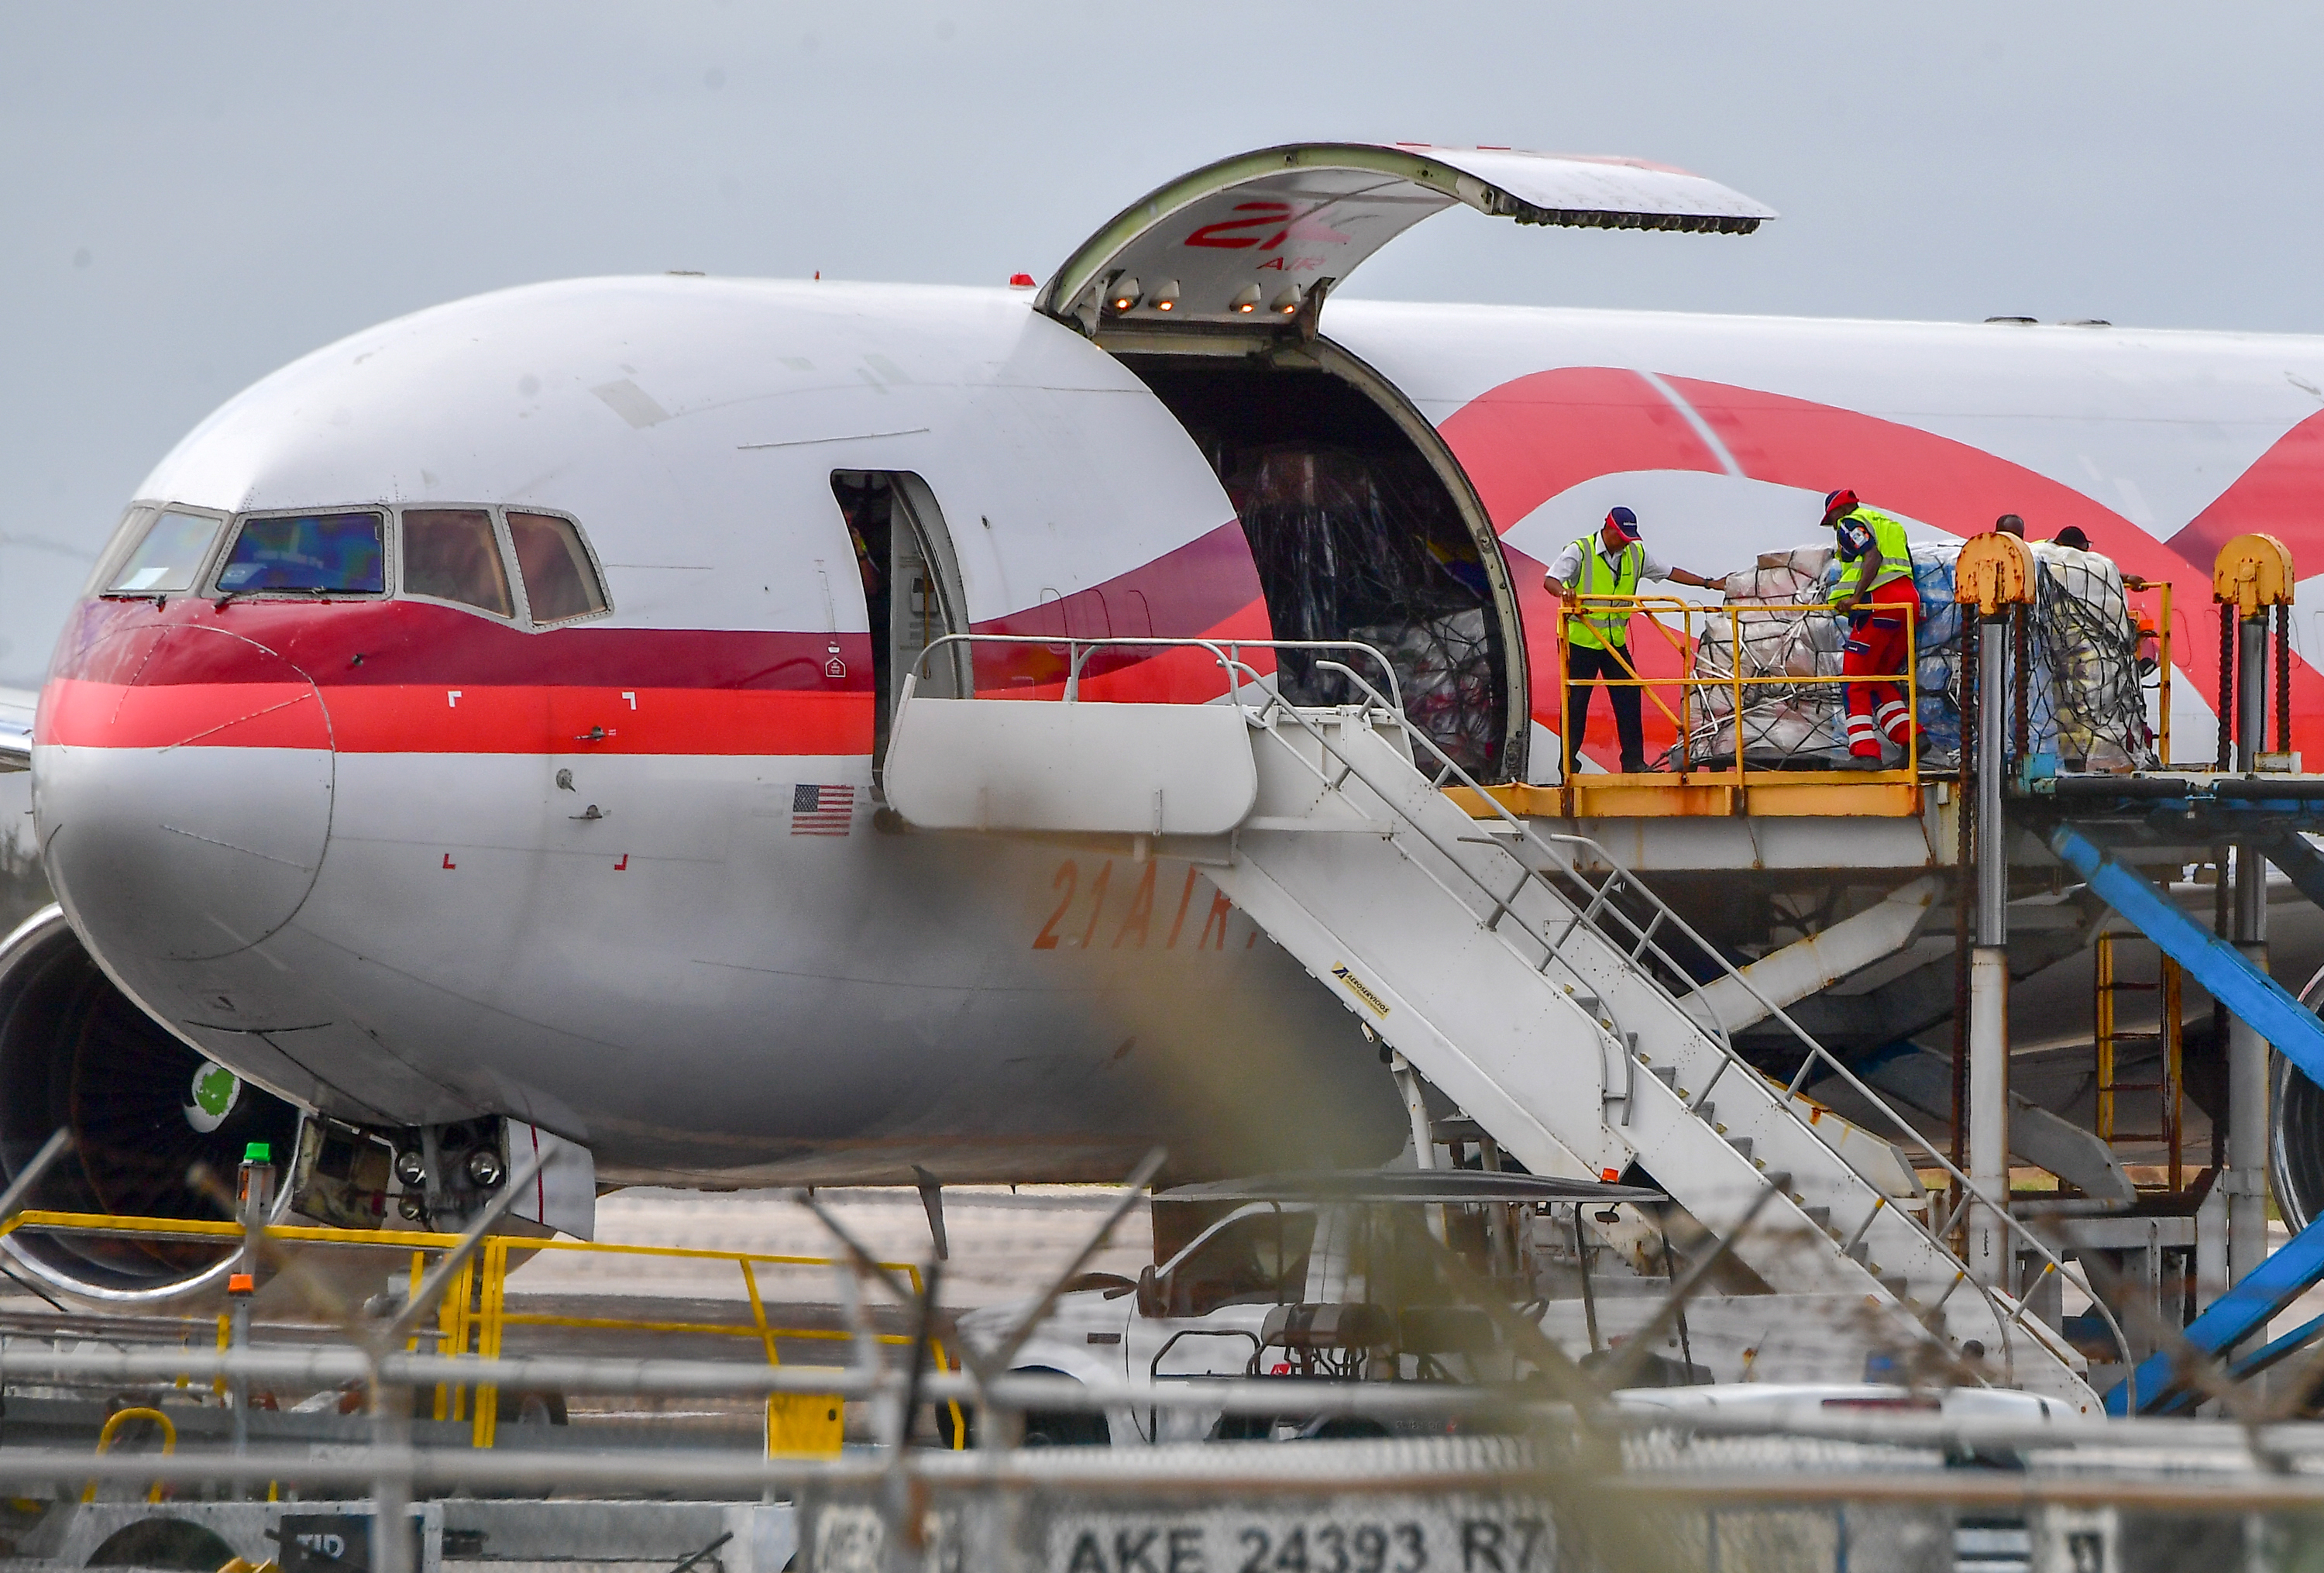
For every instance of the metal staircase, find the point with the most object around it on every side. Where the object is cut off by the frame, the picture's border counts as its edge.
(1549, 993)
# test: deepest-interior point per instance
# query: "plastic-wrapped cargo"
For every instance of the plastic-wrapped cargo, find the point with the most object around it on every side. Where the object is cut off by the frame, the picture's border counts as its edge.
(1444, 667)
(2085, 700)
(2088, 641)
(1784, 725)
(1936, 651)
(1360, 546)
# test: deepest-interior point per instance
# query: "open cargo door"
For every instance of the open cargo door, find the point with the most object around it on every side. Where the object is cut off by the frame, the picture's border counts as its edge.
(1262, 237)
(1361, 524)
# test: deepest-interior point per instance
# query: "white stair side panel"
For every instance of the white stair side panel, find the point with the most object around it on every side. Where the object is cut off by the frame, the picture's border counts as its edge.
(1517, 1054)
(991, 764)
(1489, 1059)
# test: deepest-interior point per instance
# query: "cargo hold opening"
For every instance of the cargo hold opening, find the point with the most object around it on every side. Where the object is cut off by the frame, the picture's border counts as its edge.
(1360, 534)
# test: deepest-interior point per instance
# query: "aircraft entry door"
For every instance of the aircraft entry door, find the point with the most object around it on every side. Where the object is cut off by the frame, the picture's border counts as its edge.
(912, 590)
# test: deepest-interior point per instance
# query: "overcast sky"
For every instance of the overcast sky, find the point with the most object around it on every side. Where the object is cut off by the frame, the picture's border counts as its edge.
(192, 195)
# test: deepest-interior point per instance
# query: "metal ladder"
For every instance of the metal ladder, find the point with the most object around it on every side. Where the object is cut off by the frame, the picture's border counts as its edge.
(2108, 985)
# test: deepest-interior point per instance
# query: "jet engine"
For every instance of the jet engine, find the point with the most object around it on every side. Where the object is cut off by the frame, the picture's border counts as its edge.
(144, 1110)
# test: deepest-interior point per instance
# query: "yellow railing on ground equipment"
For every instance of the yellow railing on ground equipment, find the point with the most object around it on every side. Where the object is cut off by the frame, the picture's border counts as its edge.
(113, 1424)
(473, 1316)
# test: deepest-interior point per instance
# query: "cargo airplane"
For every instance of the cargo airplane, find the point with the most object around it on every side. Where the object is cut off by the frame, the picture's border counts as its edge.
(470, 741)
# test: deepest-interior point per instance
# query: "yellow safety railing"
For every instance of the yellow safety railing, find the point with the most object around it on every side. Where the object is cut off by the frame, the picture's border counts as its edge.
(1685, 641)
(113, 1424)
(796, 1422)
(473, 1315)
(2110, 1034)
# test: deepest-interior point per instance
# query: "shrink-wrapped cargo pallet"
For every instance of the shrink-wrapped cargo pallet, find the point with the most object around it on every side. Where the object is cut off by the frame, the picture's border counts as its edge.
(2085, 702)
(2089, 643)
(1356, 546)
(1781, 723)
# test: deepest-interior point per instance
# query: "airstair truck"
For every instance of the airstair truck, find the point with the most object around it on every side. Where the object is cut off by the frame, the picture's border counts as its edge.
(1572, 1016)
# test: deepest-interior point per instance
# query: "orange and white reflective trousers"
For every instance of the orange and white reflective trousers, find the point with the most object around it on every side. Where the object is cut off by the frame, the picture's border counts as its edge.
(1879, 644)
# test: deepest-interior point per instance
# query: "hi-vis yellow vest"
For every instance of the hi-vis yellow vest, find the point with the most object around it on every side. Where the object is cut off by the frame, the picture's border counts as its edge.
(1895, 552)
(1604, 628)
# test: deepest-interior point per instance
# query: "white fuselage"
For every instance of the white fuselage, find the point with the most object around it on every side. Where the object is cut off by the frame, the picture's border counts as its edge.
(326, 840)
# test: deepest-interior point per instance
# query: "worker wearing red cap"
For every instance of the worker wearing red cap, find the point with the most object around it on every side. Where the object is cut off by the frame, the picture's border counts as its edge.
(1610, 562)
(1876, 587)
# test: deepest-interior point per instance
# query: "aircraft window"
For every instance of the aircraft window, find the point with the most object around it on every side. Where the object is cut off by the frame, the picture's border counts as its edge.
(560, 580)
(1259, 1260)
(452, 554)
(336, 553)
(168, 558)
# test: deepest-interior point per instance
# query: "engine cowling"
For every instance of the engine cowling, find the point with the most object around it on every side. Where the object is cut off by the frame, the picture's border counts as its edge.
(2295, 1145)
(143, 1109)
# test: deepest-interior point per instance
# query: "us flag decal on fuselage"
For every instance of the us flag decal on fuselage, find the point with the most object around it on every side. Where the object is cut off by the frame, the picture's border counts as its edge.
(822, 810)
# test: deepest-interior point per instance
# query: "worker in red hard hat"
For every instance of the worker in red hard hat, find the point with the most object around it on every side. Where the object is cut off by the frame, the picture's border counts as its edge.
(2149, 644)
(1877, 597)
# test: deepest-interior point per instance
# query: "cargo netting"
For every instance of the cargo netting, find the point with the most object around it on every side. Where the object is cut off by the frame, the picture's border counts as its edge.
(1368, 547)
(2087, 699)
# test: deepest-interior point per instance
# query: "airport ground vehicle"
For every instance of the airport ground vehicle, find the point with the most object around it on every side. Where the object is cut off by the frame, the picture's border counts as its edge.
(1302, 1278)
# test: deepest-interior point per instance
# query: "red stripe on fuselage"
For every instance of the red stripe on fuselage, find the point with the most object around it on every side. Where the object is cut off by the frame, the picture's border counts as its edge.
(2278, 495)
(242, 715)
(1529, 439)
(470, 720)
(568, 719)
(403, 677)
(395, 643)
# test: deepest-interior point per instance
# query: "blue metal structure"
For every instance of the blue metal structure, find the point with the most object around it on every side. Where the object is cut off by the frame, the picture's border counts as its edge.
(2295, 1032)
(2302, 864)
(2276, 1349)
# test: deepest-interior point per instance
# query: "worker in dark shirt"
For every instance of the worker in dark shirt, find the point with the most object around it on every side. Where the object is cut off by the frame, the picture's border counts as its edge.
(2075, 536)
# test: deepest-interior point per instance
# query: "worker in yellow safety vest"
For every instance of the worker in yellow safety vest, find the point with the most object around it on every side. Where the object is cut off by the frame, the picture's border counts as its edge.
(1875, 586)
(1610, 562)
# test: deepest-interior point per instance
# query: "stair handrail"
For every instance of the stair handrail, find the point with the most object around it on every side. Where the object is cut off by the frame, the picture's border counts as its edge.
(1226, 652)
(1716, 1032)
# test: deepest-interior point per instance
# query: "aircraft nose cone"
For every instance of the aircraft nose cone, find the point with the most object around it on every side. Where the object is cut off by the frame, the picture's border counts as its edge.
(182, 789)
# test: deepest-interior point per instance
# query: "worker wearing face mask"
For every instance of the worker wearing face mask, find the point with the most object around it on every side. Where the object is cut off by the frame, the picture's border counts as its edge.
(1877, 597)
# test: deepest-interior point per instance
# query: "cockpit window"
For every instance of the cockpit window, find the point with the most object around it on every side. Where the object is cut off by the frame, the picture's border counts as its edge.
(560, 580)
(452, 554)
(338, 553)
(168, 558)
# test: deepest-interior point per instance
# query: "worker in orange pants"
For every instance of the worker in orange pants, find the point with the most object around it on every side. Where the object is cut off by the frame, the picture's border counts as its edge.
(1877, 597)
